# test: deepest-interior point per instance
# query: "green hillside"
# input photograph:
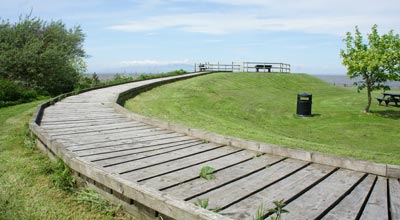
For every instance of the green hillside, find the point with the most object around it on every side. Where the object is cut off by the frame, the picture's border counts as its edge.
(262, 107)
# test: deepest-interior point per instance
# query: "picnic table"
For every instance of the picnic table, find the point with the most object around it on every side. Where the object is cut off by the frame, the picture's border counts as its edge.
(389, 97)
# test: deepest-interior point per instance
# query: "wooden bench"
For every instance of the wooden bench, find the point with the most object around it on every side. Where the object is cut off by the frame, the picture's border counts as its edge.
(202, 68)
(267, 67)
(388, 100)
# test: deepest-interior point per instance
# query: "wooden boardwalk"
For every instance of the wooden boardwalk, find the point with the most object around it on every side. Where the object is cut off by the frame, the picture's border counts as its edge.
(89, 129)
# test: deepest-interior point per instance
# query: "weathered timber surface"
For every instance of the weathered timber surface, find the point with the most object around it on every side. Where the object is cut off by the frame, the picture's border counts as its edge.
(158, 167)
(377, 205)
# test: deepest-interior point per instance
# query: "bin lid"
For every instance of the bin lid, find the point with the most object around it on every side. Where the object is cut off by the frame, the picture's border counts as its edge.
(304, 95)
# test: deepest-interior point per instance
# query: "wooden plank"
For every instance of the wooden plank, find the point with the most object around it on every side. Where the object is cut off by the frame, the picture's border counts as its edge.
(73, 116)
(312, 203)
(130, 138)
(242, 188)
(394, 192)
(350, 206)
(86, 119)
(171, 166)
(87, 129)
(224, 176)
(77, 123)
(113, 139)
(376, 207)
(115, 134)
(282, 190)
(58, 127)
(73, 113)
(78, 110)
(139, 153)
(138, 164)
(193, 172)
(123, 150)
(129, 142)
(85, 105)
(80, 118)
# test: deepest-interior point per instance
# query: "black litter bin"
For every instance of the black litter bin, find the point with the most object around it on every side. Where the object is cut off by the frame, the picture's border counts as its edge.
(304, 102)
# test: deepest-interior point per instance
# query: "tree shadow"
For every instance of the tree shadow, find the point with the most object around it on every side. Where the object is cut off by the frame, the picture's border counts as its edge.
(392, 114)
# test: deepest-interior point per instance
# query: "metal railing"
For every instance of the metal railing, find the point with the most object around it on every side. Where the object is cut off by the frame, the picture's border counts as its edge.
(242, 67)
(275, 67)
(216, 67)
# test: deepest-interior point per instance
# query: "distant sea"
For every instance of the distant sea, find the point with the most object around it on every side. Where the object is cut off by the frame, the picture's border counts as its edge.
(343, 80)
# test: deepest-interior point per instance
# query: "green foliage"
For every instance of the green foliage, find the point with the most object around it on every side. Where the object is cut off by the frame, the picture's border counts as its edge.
(375, 62)
(278, 210)
(62, 177)
(260, 215)
(90, 82)
(96, 202)
(12, 93)
(29, 138)
(206, 172)
(118, 78)
(44, 56)
(203, 203)
(158, 75)
(95, 80)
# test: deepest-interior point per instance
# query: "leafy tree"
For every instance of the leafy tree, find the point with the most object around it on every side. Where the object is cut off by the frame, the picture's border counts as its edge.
(41, 55)
(375, 62)
(95, 80)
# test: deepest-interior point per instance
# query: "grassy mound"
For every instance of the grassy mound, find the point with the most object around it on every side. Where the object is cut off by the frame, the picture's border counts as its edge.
(262, 107)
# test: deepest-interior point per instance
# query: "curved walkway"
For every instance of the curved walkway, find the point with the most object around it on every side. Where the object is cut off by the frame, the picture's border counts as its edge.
(149, 166)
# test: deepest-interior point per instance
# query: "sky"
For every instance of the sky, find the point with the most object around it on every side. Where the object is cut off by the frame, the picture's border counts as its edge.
(132, 36)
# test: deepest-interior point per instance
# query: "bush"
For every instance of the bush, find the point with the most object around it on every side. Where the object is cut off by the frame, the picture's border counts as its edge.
(42, 55)
(90, 82)
(12, 93)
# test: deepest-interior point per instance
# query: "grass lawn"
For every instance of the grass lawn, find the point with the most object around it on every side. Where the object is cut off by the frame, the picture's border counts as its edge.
(26, 187)
(262, 107)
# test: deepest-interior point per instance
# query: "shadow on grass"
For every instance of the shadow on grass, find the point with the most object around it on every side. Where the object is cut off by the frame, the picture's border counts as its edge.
(392, 114)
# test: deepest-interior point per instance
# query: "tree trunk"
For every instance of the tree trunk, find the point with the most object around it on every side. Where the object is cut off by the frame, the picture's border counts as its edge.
(369, 99)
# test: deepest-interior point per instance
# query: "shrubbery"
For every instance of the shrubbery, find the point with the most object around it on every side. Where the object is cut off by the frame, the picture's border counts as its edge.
(90, 82)
(12, 93)
(40, 55)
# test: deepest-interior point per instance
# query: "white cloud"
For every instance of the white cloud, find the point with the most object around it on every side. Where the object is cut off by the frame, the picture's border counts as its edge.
(153, 62)
(309, 16)
(213, 23)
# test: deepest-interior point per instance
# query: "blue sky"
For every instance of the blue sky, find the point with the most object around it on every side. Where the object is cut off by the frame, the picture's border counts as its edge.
(156, 35)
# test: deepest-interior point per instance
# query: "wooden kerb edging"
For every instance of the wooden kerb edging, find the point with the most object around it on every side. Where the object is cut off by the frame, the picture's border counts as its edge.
(151, 167)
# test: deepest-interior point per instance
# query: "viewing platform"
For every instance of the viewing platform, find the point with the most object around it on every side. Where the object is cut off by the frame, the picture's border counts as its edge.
(242, 67)
(152, 167)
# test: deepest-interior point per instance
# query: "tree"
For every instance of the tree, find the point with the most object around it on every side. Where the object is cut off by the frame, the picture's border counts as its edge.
(41, 55)
(375, 62)
(95, 80)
